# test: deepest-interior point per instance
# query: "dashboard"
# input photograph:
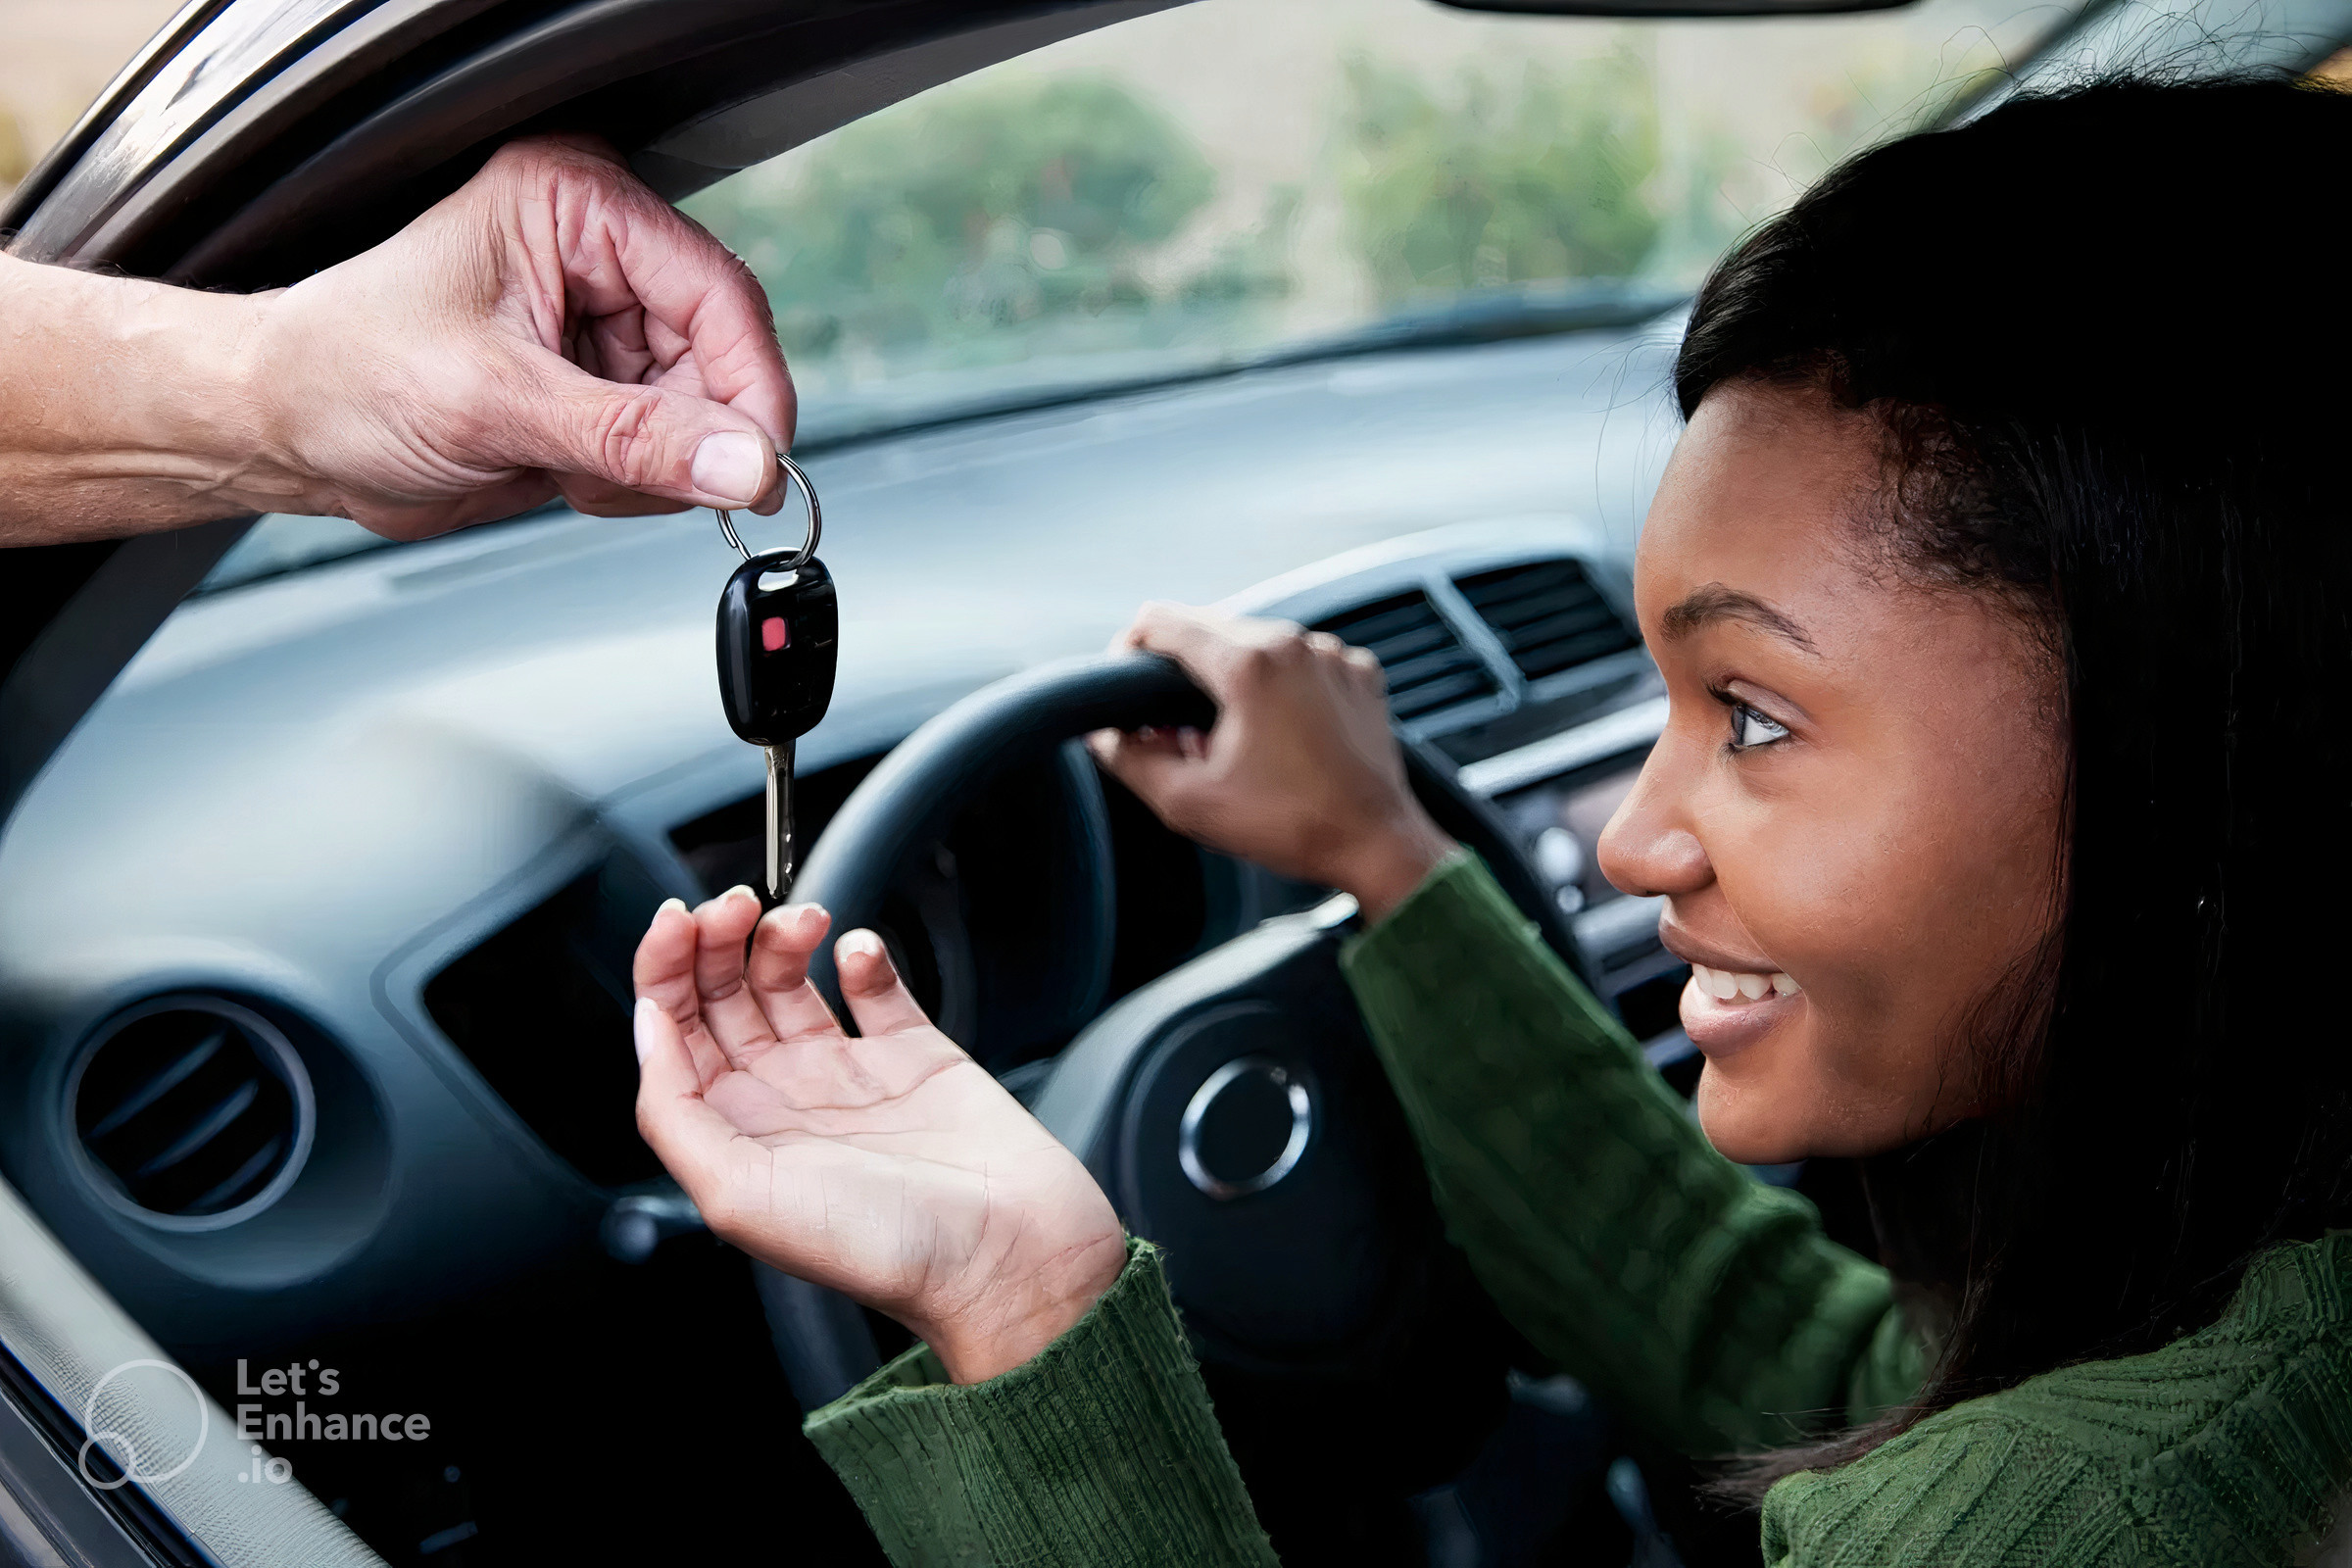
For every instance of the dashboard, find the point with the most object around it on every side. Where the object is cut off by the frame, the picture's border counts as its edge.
(314, 938)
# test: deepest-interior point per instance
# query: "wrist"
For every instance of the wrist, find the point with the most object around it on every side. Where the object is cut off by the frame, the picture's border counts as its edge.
(274, 410)
(1385, 868)
(986, 1343)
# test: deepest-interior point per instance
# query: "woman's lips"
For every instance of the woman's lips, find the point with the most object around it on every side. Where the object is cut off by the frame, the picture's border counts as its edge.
(1725, 1011)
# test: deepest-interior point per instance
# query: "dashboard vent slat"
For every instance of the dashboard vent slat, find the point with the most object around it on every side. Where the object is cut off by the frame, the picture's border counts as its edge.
(210, 1123)
(190, 1106)
(140, 1097)
(1427, 665)
(247, 1177)
(1549, 615)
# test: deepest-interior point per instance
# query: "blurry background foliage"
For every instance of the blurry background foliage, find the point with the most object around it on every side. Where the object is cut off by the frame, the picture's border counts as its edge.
(1025, 202)
(1542, 177)
(1023, 216)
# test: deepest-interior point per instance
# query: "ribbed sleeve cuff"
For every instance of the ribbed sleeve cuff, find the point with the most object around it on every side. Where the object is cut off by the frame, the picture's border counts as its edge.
(1456, 947)
(1100, 1452)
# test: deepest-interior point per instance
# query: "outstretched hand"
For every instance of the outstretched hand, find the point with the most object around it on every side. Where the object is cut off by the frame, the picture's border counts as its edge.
(890, 1166)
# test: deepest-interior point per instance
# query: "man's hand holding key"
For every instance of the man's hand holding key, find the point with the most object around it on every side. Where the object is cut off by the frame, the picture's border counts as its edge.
(553, 328)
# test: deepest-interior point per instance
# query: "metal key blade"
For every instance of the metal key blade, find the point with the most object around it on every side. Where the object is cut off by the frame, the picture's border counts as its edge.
(779, 822)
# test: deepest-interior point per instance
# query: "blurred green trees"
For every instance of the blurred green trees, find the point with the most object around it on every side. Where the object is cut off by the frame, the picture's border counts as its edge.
(1540, 178)
(1031, 217)
(963, 213)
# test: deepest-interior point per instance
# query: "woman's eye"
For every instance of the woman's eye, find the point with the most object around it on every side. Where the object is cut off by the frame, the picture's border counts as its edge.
(1752, 728)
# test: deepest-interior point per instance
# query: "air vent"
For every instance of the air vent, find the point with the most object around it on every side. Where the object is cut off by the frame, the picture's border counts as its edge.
(195, 1108)
(1428, 666)
(1549, 615)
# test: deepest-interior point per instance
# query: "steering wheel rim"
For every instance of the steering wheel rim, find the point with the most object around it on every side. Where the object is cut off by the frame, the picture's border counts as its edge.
(911, 795)
(909, 798)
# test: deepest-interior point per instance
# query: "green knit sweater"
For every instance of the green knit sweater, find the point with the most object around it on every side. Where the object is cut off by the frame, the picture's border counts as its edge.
(1703, 1305)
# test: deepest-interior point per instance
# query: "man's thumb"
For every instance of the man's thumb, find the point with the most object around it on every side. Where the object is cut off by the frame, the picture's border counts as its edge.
(653, 440)
(734, 465)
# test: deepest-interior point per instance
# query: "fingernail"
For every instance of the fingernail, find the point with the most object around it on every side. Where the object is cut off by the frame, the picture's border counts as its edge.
(744, 889)
(731, 464)
(668, 905)
(648, 1009)
(863, 943)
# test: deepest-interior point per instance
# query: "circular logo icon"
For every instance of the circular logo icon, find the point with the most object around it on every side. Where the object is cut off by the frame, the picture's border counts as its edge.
(118, 1444)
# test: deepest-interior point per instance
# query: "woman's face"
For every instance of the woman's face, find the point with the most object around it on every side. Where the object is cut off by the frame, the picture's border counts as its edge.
(1854, 810)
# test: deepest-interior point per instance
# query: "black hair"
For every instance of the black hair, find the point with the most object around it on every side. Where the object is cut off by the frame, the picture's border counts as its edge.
(2102, 332)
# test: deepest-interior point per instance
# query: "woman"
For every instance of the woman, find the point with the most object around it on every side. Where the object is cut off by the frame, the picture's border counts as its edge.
(1998, 583)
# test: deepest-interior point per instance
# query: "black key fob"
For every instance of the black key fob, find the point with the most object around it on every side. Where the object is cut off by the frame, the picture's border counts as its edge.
(778, 631)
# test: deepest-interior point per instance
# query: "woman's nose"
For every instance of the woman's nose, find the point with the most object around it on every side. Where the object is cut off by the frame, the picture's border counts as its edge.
(1647, 848)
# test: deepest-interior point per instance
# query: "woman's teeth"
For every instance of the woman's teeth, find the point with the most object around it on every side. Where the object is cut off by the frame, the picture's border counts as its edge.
(1725, 984)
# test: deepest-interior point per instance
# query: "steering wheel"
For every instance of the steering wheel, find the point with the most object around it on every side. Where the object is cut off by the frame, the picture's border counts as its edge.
(1236, 1113)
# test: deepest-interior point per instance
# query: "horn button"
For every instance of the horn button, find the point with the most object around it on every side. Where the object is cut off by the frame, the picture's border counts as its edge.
(1246, 1127)
(1235, 1112)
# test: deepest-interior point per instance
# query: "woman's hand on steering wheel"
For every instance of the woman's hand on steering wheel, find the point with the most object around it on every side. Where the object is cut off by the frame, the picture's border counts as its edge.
(1300, 773)
(890, 1166)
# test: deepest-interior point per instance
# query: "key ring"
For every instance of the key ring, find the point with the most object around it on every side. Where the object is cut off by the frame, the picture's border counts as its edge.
(817, 520)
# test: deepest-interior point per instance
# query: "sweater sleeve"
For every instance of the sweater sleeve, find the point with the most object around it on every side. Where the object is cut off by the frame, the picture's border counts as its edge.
(1100, 1452)
(1706, 1308)
(1971, 1486)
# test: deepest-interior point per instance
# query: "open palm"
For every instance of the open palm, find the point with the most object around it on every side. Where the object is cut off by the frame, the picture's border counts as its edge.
(890, 1166)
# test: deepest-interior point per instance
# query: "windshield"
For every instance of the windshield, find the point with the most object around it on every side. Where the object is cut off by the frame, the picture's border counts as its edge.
(1237, 181)
(1235, 178)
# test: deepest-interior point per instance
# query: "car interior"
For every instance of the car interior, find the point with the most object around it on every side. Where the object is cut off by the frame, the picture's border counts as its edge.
(325, 857)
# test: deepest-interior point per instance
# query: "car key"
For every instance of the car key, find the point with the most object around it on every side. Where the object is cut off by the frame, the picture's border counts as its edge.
(778, 626)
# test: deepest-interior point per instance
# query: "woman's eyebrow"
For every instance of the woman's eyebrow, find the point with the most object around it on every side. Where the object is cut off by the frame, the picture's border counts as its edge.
(1703, 607)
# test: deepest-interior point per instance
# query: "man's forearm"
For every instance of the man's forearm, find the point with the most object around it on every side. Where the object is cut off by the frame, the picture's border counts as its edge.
(128, 406)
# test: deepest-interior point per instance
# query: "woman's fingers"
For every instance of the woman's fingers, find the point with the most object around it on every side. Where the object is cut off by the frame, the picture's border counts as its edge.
(781, 946)
(723, 925)
(1203, 643)
(869, 983)
(726, 925)
(1162, 765)
(692, 1140)
(1163, 768)
(663, 973)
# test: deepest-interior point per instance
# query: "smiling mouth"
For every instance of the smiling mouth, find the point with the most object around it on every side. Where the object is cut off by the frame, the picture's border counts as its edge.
(1736, 986)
